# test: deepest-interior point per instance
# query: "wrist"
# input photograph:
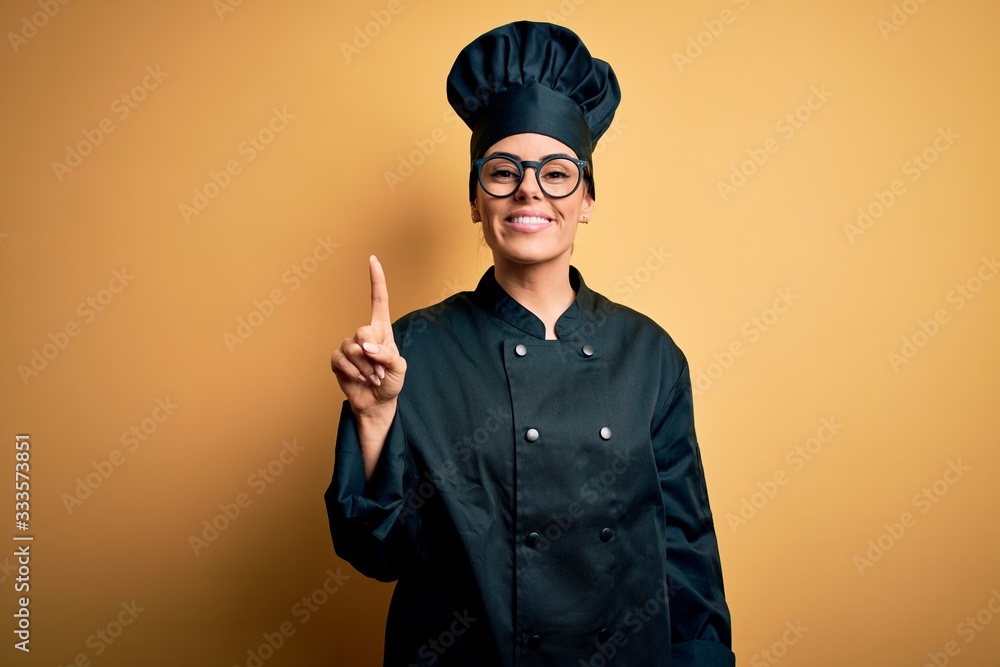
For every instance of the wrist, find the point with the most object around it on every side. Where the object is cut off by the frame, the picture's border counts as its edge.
(379, 413)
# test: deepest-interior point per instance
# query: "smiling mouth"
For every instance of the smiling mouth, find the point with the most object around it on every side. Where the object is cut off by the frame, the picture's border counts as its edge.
(528, 220)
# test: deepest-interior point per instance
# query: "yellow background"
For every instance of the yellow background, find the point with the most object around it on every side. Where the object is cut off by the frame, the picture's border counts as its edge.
(359, 113)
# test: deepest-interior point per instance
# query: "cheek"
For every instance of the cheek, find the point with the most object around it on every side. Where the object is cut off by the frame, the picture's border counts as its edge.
(571, 212)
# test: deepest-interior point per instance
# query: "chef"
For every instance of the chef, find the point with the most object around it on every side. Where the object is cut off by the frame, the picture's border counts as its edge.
(534, 487)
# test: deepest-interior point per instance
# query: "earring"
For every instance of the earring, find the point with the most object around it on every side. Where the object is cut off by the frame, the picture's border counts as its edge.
(584, 219)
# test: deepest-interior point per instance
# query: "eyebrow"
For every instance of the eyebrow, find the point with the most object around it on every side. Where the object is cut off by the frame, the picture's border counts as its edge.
(517, 157)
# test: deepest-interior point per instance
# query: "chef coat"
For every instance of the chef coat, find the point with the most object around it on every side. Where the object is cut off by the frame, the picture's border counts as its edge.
(538, 502)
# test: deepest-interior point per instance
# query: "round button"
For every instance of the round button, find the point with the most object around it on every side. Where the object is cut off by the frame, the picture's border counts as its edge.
(532, 539)
(520, 350)
(604, 635)
(588, 350)
(531, 434)
(534, 641)
(605, 433)
(606, 534)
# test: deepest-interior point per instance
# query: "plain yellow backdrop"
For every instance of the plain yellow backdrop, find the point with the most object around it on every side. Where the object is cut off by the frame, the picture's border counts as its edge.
(803, 194)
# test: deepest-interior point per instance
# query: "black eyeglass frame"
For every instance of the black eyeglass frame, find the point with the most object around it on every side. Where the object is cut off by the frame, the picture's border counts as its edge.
(523, 165)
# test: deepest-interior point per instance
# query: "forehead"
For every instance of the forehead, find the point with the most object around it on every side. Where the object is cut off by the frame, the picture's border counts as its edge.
(530, 146)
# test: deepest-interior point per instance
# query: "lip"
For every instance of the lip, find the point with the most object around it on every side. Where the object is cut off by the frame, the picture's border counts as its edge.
(529, 227)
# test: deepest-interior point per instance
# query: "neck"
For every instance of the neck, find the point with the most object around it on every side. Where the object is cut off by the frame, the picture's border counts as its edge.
(543, 288)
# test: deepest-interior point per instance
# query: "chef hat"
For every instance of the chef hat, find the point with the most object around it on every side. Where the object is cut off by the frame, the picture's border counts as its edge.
(532, 77)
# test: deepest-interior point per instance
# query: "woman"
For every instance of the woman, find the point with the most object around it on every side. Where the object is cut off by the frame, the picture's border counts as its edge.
(535, 486)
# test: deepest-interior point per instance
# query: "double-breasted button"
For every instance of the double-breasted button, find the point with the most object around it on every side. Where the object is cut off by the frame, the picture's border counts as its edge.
(605, 433)
(520, 350)
(531, 540)
(588, 350)
(531, 434)
(607, 534)
(534, 641)
(604, 635)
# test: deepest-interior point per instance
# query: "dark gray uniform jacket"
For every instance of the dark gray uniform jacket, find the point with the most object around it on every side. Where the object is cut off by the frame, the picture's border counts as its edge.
(539, 502)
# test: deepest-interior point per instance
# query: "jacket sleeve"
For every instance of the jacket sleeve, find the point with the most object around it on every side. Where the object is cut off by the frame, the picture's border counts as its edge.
(700, 622)
(373, 525)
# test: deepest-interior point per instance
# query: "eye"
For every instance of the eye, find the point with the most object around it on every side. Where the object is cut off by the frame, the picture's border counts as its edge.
(503, 173)
(559, 170)
(501, 170)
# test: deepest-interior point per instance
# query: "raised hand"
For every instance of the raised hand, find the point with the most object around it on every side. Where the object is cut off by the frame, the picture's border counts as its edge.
(368, 366)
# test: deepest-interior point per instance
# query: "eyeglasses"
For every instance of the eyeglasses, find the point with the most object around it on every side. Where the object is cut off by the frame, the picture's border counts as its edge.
(501, 175)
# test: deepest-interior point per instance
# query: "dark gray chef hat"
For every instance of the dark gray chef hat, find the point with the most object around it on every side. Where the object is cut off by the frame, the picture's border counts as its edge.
(532, 77)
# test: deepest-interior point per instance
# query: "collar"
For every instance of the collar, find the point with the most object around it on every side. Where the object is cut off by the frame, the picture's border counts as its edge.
(491, 296)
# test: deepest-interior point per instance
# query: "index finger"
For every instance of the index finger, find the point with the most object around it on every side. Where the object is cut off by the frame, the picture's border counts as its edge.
(380, 294)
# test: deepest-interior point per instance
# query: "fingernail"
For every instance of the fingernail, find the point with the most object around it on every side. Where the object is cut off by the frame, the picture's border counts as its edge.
(380, 369)
(362, 378)
(375, 380)
(370, 347)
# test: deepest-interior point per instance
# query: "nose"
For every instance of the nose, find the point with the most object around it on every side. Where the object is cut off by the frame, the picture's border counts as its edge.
(529, 185)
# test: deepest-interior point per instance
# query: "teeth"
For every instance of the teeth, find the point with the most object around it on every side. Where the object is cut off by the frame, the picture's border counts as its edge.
(528, 220)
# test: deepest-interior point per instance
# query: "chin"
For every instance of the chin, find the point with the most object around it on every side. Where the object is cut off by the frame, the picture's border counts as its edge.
(527, 255)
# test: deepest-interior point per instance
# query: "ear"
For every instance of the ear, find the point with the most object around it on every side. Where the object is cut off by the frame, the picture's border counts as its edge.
(475, 212)
(587, 210)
